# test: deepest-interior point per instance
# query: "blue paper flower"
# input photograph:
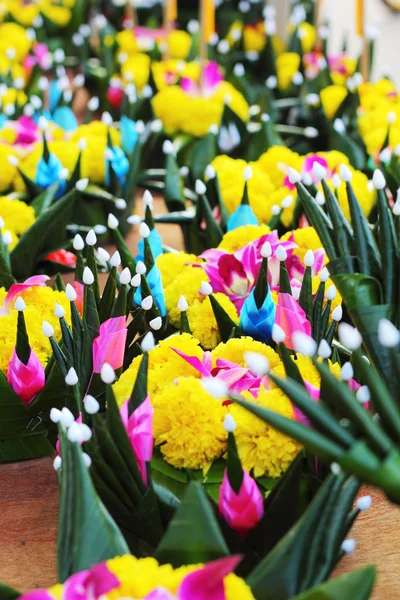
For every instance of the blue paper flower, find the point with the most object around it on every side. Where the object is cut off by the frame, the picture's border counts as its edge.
(65, 118)
(55, 94)
(119, 163)
(243, 215)
(155, 284)
(155, 241)
(129, 135)
(258, 322)
(48, 173)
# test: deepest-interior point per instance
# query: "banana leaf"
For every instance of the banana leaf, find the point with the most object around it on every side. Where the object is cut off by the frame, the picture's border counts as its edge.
(354, 586)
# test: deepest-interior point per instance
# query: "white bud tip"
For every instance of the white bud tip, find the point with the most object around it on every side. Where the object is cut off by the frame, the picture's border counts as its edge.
(256, 363)
(91, 405)
(349, 336)
(136, 279)
(210, 172)
(294, 176)
(266, 250)
(107, 374)
(47, 329)
(141, 268)
(215, 387)
(378, 180)
(182, 304)
(148, 199)
(147, 303)
(55, 415)
(115, 260)
(134, 220)
(88, 277)
(107, 119)
(125, 277)
(103, 254)
(86, 459)
(287, 201)
(7, 238)
(388, 334)
(13, 160)
(278, 335)
(148, 342)
(345, 173)
(304, 344)
(112, 221)
(86, 432)
(71, 377)
(168, 147)
(331, 293)
(57, 463)
(205, 289)
(78, 242)
(281, 253)
(91, 238)
(156, 324)
(335, 468)
(200, 188)
(59, 311)
(364, 503)
(247, 173)
(318, 171)
(67, 418)
(20, 304)
(337, 313)
(144, 230)
(296, 291)
(324, 275)
(74, 433)
(324, 349)
(348, 546)
(70, 293)
(309, 258)
(229, 423)
(363, 394)
(347, 371)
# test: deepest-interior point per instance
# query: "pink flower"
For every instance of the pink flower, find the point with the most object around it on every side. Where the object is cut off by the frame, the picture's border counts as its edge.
(26, 129)
(208, 583)
(115, 96)
(244, 510)
(78, 287)
(211, 76)
(291, 317)
(62, 257)
(109, 346)
(26, 380)
(17, 288)
(139, 427)
(235, 274)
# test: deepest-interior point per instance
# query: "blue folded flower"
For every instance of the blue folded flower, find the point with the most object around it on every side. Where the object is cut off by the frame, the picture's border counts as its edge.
(155, 284)
(48, 173)
(258, 322)
(119, 163)
(65, 118)
(155, 241)
(243, 215)
(55, 94)
(129, 135)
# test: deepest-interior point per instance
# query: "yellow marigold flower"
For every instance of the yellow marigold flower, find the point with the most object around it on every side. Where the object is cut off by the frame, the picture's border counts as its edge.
(261, 448)
(8, 135)
(180, 112)
(165, 366)
(14, 36)
(24, 14)
(287, 65)
(60, 15)
(260, 186)
(40, 304)
(235, 349)
(171, 265)
(187, 283)
(275, 162)
(202, 320)
(234, 33)
(331, 98)
(308, 36)
(138, 578)
(17, 216)
(137, 69)
(306, 238)
(179, 44)
(8, 172)
(253, 38)
(315, 284)
(307, 370)
(241, 236)
(168, 72)
(188, 425)
(126, 40)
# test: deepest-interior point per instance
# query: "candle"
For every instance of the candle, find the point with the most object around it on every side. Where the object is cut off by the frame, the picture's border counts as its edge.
(207, 20)
(171, 11)
(360, 18)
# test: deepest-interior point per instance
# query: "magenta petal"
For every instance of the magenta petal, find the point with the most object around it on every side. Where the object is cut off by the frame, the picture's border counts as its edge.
(212, 75)
(109, 346)
(208, 583)
(189, 86)
(26, 380)
(37, 595)
(17, 288)
(244, 510)
(291, 317)
(139, 428)
(194, 362)
(93, 584)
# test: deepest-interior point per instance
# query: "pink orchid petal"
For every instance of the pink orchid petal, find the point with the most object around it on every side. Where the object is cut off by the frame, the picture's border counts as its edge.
(93, 584)
(212, 75)
(26, 380)
(208, 583)
(244, 510)
(109, 346)
(189, 86)
(37, 595)
(139, 427)
(291, 317)
(17, 288)
(194, 362)
(298, 415)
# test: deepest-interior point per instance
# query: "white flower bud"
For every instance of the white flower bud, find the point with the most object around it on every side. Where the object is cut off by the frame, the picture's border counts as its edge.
(348, 546)
(205, 289)
(210, 172)
(59, 311)
(140, 267)
(294, 176)
(156, 323)
(337, 313)
(115, 260)
(229, 423)
(363, 394)
(247, 173)
(182, 304)
(57, 463)
(331, 293)
(309, 258)
(55, 415)
(304, 344)
(148, 342)
(324, 350)
(347, 371)
(364, 503)
(136, 279)
(345, 173)
(125, 277)
(147, 303)
(215, 387)
(349, 336)
(107, 374)
(200, 188)
(281, 253)
(88, 277)
(388, 334)
(20, 305)
(78, 243)
(144, 230)
(91, 405)
(70, 293)
(71, 377)
(278, 335)
(91, 238)
(112, 221)
(378, 180)
(318, 171)
(256, 363)
(47, 329)
(324, 275)
(74, 433)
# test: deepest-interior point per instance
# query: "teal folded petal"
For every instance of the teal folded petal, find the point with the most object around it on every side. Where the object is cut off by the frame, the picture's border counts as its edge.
(119, 164)
(55, 94)
(48, 173)
(257, 322)
(154, 280)
(243, 215)
(129, 135)
(65, 118)
(155, 241)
